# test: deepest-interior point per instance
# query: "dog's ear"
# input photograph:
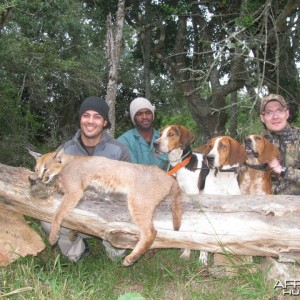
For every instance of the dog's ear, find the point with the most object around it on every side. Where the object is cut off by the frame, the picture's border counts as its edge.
(237, 153)
(270, 151)
(204, 149)
(186, 137)
(36, 155)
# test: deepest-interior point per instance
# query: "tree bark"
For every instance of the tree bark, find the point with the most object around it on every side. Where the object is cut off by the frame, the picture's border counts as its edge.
(244, 225)
(113, 53)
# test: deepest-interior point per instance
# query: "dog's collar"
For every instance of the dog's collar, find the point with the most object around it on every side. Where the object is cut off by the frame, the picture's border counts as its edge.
(233, 169)
(179, 165)
(261, 167)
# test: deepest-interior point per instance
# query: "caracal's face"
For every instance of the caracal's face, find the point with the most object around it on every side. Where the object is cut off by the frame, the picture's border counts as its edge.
(47, 167)
(92, 124)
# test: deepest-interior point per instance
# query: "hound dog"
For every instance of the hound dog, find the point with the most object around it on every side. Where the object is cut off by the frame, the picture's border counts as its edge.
(255, 177)
(224, 156)
(214, 173)
(187, 166)
(176, 141)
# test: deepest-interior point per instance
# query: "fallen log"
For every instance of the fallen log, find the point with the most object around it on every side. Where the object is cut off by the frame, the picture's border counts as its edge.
(17, 238)
(244, 225)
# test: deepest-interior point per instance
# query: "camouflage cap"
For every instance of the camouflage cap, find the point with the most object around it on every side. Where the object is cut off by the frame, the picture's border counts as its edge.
(271, 97)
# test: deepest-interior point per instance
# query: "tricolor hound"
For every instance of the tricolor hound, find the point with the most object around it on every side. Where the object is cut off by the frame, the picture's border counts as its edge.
(186, 165)
(175, 140)
(255, 177)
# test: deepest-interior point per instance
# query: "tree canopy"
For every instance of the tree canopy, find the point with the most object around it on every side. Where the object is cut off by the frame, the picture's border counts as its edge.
(201, 63)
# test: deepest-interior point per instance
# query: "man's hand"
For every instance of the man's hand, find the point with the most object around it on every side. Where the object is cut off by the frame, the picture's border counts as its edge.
(275, 166)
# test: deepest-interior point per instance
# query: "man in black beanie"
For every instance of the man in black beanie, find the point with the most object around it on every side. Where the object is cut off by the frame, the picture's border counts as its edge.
(96, 104)
(91, 139)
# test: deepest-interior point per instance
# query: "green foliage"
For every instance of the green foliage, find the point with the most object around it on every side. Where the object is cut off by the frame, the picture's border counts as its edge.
(184, 119)
(5, 4)
(297, 122)
(248, 14)
(50, 60)
(245, 21)
(52, 57)
(248, 121)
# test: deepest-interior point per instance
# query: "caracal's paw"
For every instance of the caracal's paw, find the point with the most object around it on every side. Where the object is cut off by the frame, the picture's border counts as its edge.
(54, 235)
(33, 179)
(128, 261)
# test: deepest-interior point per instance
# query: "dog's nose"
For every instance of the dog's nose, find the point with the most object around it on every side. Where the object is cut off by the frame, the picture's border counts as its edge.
(210, 160)
(248, 143)
(155, 144)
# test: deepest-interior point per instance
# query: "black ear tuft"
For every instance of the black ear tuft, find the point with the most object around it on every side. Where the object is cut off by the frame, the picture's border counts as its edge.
(36, 155)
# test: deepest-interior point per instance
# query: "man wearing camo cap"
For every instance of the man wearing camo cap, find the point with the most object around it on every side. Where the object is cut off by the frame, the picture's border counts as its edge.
(274, 113)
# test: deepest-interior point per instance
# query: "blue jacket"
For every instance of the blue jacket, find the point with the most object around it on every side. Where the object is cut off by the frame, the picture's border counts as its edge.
(140, 151)
(108, 147)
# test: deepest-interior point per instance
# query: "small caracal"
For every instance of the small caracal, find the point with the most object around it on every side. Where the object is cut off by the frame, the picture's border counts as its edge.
(145, 187)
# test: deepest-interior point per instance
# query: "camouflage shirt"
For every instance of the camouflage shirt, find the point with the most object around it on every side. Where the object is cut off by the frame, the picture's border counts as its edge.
(288, 143)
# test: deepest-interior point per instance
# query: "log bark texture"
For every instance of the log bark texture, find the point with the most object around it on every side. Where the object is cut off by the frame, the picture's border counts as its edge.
(244, 225)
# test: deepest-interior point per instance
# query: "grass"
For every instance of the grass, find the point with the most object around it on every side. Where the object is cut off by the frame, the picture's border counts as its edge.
(162, 276)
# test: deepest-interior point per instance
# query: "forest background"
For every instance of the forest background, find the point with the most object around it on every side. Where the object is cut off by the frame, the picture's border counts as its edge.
(203, 64)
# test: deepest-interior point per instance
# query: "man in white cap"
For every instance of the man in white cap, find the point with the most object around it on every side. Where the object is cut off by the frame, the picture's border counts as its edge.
(140, 139)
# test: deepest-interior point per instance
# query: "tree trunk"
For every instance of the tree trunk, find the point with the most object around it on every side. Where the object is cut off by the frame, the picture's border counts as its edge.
(244, 225)
(113, 53)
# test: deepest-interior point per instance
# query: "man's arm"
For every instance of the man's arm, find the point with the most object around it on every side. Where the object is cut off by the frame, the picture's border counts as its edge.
(124, 140)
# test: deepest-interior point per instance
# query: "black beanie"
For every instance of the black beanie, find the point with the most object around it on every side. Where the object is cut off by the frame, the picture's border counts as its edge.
(97, 104)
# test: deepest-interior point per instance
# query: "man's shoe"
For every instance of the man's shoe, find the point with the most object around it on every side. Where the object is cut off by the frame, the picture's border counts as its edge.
(113, 253)
(87, 250)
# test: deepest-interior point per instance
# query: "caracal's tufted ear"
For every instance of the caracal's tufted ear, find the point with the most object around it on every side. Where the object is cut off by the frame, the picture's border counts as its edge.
(59, 154)
(186, 137)
(36, 155)
(270, 151)
(237, 153)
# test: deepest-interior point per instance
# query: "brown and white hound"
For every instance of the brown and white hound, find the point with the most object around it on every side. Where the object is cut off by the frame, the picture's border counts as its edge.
(255, 177)
(224, 156)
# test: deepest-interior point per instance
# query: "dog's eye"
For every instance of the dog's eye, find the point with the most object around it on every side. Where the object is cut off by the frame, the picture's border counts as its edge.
(257, 138)
(170, 134)
(223, 147)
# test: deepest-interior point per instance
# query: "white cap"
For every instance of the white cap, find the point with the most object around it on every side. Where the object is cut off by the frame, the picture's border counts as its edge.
(138, 104)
